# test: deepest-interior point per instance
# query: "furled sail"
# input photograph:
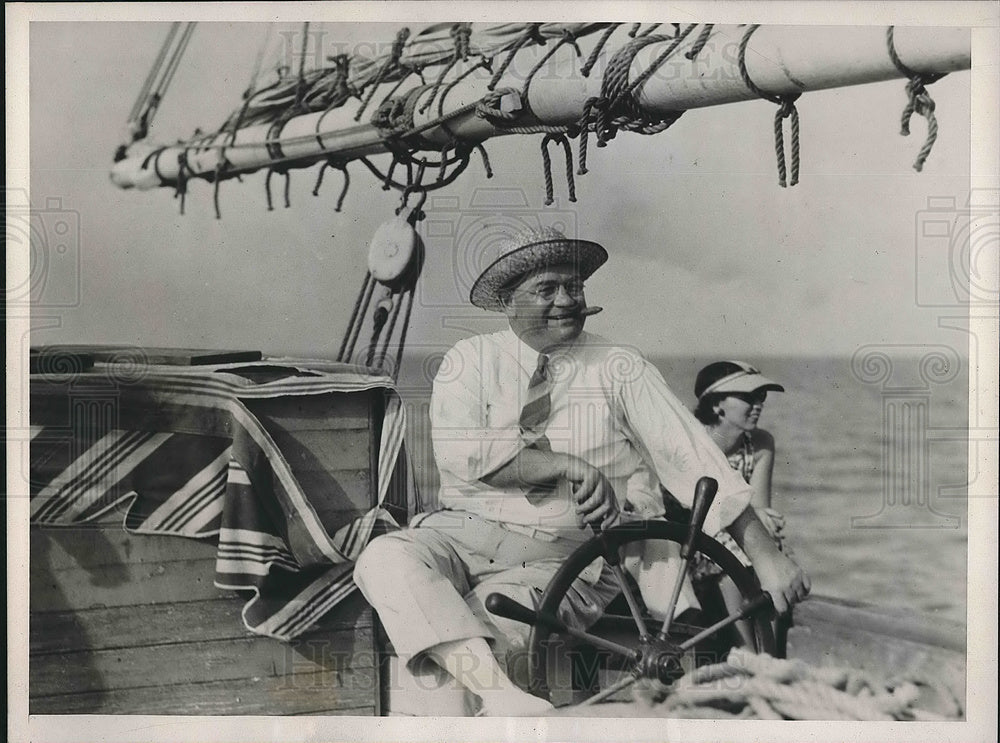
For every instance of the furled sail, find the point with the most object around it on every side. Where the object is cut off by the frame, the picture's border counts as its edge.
(449, 87)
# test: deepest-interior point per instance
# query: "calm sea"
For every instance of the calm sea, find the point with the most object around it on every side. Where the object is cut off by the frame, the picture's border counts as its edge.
(871, 470)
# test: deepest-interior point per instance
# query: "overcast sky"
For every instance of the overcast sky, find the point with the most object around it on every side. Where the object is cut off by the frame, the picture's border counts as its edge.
(708, 255)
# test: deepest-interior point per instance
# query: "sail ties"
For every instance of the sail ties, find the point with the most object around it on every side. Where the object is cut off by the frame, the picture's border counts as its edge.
(919, 101)
(391, 63)
(595, 53)
(786, 110)
(617, 108)
(460, 34)
(532, 34)
(336, 165)
(547, 166)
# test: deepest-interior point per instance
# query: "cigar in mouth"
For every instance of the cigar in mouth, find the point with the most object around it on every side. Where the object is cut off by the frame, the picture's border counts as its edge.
(592, 310)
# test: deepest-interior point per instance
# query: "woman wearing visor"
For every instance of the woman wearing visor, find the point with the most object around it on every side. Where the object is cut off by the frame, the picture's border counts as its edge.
(731, 396)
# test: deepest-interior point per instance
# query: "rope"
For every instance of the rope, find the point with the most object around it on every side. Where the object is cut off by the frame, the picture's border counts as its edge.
(300, 88)
(152, 92)
(357, 318)
(391, 61)
(616, 108)
(396, 307)
(342, 167)
(547, 166)
(182, 178)
(402, 334)
(566, 38)
(486, 160)
(153, 71)
(530, 35)
(596, 51)
(786, 109)
(658, 62)
(388, 182)
(220, 170)
(919, 101)
(763, 687)
(460, 33)
(700, 42)
(287, 190)
(379, 318)
(488, 107)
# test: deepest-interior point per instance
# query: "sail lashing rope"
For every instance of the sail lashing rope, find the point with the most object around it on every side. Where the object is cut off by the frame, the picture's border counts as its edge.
(919, 101)
(786, 110)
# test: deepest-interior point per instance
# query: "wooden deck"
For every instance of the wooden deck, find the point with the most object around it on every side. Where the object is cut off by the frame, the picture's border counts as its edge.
(125, 624)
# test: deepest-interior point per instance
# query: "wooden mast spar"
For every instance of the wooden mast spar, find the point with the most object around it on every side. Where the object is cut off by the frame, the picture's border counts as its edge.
(782, 60)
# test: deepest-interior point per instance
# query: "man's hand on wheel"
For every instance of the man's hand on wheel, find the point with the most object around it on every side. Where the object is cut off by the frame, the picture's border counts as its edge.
(595, 498)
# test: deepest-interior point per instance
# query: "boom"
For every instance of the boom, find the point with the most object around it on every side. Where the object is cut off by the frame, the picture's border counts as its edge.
(781, 60)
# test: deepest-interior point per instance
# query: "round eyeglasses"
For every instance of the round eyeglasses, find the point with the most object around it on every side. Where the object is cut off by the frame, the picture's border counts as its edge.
(547, 291)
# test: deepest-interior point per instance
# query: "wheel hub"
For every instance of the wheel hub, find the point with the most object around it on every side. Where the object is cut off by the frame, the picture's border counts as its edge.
(660, 659)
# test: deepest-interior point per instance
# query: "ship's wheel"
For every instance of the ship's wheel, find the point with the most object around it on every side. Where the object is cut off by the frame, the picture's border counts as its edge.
(571, 665)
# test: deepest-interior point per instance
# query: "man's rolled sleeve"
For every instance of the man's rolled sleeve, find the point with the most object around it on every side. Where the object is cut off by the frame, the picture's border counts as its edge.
(677, 446)
(465, 444)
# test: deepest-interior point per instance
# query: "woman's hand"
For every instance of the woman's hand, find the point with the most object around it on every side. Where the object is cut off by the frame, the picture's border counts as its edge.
(781, 577)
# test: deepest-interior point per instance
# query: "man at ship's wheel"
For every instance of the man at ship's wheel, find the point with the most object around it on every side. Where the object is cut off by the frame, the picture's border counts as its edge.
(539, 431)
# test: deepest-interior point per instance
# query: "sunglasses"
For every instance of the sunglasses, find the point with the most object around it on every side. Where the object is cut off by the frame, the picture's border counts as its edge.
(751, 398)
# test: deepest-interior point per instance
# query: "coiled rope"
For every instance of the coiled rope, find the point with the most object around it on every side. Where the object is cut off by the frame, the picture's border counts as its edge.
(760, 686)
(919, 101)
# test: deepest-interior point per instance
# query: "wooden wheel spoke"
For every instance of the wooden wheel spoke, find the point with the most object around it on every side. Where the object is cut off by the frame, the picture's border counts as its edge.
(616, 687)
(761, 601)
(630, 599)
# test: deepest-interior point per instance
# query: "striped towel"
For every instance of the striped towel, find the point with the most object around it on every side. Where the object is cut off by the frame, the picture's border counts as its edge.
(243, 454)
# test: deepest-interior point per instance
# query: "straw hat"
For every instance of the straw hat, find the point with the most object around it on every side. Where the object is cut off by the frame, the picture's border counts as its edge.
(527, 251)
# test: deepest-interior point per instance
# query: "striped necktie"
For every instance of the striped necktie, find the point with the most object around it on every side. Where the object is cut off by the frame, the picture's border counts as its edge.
(534, 416)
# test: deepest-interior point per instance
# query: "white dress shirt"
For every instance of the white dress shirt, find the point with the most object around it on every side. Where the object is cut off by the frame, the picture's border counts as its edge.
(609, 407)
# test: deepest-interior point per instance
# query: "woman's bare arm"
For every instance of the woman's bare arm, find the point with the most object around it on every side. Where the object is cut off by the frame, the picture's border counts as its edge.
(760, 480)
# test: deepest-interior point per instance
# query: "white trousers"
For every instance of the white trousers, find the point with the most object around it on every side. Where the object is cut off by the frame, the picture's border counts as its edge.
(429, 582)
